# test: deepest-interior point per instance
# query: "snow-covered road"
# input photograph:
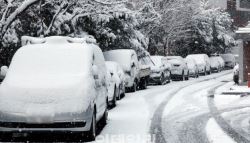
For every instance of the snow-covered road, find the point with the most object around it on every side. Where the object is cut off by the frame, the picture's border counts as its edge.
(178, 112)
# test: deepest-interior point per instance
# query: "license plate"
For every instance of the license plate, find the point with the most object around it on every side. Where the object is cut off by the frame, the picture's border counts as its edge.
(19, 135)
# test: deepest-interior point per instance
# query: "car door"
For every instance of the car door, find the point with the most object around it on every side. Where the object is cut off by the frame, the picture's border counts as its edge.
(164, 67)
(101, 82)
(134, 66)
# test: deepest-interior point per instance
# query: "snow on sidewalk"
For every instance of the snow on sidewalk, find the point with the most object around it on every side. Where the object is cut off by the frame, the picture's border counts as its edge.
(215, 134)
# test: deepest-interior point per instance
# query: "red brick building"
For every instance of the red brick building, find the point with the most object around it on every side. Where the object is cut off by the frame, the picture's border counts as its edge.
(239, 13)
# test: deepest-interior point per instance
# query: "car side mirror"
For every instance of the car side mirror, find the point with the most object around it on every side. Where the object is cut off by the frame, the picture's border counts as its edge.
(4, 70)
(95, 72)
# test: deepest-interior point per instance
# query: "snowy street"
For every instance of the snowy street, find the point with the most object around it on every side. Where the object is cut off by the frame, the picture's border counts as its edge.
(178, 112)
(125, 71)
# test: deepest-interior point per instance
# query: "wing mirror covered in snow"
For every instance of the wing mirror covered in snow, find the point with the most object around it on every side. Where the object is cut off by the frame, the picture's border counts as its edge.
(4, 70)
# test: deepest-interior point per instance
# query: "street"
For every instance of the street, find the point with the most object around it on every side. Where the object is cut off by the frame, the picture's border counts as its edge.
(175, 113)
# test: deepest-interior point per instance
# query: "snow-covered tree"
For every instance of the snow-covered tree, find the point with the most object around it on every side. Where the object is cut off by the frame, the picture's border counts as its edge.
(211, 30)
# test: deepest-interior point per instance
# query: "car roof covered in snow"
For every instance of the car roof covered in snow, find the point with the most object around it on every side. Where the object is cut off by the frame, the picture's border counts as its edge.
(121, 56)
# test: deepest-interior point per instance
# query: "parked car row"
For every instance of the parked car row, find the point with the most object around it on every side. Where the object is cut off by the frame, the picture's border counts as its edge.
(67, 84)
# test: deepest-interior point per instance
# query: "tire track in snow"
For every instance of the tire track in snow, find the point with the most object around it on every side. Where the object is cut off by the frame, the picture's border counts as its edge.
(156, 124)
(226, 127)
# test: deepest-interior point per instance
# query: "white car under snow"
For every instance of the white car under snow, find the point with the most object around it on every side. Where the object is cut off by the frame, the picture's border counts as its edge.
(129, 62)
(203, 63)
(160, 70)
(116, 82)
(55, 84)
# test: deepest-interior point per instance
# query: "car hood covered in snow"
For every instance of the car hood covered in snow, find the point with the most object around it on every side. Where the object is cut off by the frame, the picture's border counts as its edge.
(46, 96)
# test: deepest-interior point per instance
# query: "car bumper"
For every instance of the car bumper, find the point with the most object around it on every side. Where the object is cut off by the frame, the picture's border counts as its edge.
(176, 72)
(23, 129)
(214, 69)
(153, 80)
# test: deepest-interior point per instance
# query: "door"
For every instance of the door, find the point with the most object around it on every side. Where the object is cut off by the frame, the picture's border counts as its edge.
(101, 82)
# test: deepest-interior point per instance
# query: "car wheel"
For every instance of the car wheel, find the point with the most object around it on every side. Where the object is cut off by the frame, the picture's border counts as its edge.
(161, 82)
(91, 134)
(114, 97)
(134, 87)
(104, 118)
(144, 86)
(187, 77)
(182, 77)
(118, 97)
(197, 75)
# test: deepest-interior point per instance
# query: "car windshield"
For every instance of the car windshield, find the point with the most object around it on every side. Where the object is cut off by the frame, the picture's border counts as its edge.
(157, 60)
(228, 57)
(123, 57)
(51, 61)
(199, 59)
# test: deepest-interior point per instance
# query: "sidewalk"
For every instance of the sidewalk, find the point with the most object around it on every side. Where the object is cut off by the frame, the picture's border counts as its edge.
(237, 90)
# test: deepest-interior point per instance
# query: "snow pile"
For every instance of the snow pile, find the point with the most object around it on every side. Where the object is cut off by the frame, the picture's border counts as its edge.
(49, 75)
(238, 89)
(215, 134)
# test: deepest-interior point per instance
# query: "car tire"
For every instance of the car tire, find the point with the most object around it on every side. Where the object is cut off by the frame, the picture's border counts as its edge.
(91, 134)
(104, 118)
(144, 85)
(197, 75)
(134, 87)
(114, 98)
(182, 78)
(187, 77)
(119, 94)
(161, 82)
(205, 72)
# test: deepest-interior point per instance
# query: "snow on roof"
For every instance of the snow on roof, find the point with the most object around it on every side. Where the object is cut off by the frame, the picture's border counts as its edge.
(121, 56)
(48, 75)
(57, 40)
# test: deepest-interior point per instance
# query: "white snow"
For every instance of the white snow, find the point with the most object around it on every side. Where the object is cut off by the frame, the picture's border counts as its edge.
(215, 134)
(123, 57)
(157, 60)
(49, 75)
(199, 58)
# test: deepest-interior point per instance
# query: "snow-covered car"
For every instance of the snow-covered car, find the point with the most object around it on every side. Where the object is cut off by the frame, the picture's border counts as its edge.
(54, 84)
(145, 71)
(216, 64)
(192, 67)
(116, 82)
(3, 72)
(128, 60)
(203, 63)
(222, 62)
(229, 59)
(179, 68)
(160, 71)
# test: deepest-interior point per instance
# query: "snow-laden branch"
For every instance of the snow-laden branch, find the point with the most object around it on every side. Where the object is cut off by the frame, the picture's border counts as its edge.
(110, 3)
(8, 21)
